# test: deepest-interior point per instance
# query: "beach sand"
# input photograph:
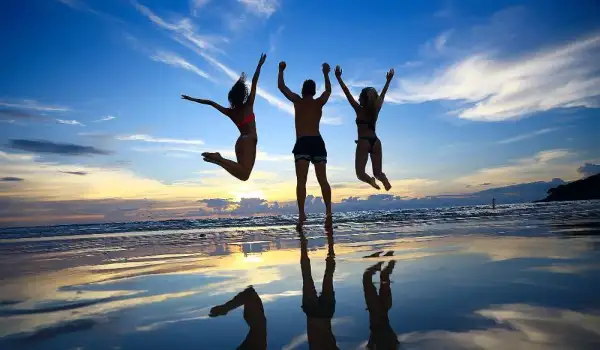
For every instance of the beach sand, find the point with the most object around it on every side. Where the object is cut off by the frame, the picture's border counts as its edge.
(501, 282)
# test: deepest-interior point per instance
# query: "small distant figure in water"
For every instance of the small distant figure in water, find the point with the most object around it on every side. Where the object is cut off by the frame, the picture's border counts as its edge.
(493, 203)
(382, 336)
(368, 144)
(310, 147)
(241, 112)
(254, 315)
(319, 309)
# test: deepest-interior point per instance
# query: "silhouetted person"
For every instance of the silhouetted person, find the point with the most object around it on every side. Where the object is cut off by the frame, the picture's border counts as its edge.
(493, 203)
(319, 309)
(241, 112)
(381, 336)
(310, 147)
(254, 315)
(368, 144)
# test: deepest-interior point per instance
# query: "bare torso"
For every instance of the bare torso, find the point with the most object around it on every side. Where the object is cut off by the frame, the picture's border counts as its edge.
(237, 115)
(308, 112)
(365, 116)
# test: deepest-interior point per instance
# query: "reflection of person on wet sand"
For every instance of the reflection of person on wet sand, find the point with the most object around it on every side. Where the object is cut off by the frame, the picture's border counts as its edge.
(319, 310)
(382, 335)
(254, 314)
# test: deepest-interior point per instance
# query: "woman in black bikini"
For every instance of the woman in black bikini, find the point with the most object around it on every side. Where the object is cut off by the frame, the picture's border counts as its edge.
(241, 112)
(367, 111)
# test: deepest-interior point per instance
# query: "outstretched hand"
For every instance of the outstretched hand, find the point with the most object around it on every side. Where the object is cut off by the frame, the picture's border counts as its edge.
(262, 60)
(282, 65)
(326, 68)
(186, 97)
(338, 72)
(390, 74)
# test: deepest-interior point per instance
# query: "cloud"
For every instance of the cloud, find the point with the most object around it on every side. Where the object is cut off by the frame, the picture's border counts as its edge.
(263, 8)
(186, 36)
(527, 135)
(148, 138)
(196, 5)
(8, 113)
(184, 29)
(217, 203)
(66, 149)
(16, 157)
(589, 169)
(32, 104)
(517, 326)
(274, 39)
(11, 179)
(79, 173)
(545, 164)
(176, 61)
(69, 122)
(105, 119)
(494, 89)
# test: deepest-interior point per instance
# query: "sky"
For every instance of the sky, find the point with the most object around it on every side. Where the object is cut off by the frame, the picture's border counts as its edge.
(92, 128)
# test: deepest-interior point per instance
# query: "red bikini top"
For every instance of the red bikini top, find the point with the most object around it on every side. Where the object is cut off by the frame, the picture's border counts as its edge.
(249, 118)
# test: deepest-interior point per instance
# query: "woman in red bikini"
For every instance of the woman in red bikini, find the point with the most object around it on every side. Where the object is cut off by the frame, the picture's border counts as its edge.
(241, 112)
(368, 144)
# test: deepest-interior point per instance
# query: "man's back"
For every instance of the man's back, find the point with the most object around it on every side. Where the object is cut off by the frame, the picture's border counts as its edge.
(308, 112)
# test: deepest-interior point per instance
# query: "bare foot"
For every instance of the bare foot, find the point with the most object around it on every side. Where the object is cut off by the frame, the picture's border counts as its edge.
(389, 253)
(373, 183)
(385, 182)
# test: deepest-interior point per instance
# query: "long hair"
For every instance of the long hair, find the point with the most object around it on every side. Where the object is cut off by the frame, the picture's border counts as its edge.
(238, 95)
(369, 103)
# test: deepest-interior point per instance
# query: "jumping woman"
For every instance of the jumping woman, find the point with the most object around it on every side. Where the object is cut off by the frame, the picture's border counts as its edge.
(241, 112)
(368, 144)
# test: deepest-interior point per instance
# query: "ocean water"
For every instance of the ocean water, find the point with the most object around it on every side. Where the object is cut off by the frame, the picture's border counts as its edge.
(518, 277)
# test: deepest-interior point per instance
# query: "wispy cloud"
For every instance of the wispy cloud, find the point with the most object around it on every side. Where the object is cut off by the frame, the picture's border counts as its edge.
(66, 149)
(264, 8)
(274, 39)
(148, 138)
(542, 165)
(105, 119)
(69, 122)
(17, 157)
(196, 5)
(527, 135)
(498, 89)
(82, 6)
(78, 173)
(184, 29)
(11, 179)
(176, 61)
(32, 104)
(187, 37)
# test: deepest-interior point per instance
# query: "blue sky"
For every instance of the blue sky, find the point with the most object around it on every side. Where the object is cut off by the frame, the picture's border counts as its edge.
(496, 92)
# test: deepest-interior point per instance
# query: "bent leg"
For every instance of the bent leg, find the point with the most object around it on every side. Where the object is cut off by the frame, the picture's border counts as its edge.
(360, 163)
(245, 149)
(376, 162)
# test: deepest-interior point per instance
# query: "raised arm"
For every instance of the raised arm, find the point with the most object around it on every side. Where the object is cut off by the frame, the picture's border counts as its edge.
(338, 75)
(252, 95)
(388, 78)
(325, 95)
(281, 85)
(207, 102)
